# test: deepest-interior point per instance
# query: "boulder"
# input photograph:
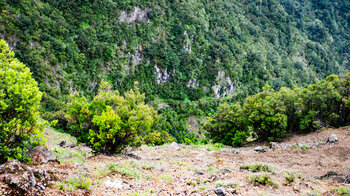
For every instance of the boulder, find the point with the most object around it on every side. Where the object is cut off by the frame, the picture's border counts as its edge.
(332, 139)
(20, 179)
(175, 146)
(235, 151)
(40, 155)
(220, 191)
(260, 149)
(275, 146)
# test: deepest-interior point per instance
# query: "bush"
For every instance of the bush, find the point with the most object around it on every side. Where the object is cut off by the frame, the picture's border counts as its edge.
(258, 167)
(110, 122)
(271, 115)
(226, 125)
(19, 104)
(79, 182)
(158, 138)
(263, 179)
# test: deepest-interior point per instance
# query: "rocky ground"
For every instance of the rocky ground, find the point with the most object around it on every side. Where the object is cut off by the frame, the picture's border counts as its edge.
(300, 165)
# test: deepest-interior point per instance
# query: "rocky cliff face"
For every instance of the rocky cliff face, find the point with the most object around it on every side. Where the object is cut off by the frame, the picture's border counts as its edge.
(223, 85)
(137, 14)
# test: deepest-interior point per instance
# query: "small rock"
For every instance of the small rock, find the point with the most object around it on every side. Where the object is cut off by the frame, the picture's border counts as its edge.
(274, 146)
(175, 146)
(224, 171)
(199, 173)
(332, 139)
(116, 184)
(133, 155)
(63, 143)
(220, 191)
(298, 144)
(260, 149)
(40, 155)
(235, 151)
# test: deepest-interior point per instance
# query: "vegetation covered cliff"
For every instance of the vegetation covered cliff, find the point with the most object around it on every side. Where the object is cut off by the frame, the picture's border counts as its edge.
(176, 49)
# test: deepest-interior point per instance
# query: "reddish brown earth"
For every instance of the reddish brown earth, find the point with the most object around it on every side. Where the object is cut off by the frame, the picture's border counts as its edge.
(195, 170)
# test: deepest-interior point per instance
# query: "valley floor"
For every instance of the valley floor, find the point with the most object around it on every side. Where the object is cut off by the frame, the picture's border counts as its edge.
(176, 169)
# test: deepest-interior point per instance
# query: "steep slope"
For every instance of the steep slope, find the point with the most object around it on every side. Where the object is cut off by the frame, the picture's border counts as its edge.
(200, 170)
(177, 49)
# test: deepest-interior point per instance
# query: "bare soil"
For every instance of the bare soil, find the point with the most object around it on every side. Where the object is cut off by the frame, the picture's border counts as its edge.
(195, 170)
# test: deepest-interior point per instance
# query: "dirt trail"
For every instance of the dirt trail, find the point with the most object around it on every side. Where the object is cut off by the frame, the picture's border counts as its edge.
(195, 170)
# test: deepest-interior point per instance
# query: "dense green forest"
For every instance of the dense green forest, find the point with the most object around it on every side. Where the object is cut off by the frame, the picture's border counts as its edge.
(188, 57)
(200, 48)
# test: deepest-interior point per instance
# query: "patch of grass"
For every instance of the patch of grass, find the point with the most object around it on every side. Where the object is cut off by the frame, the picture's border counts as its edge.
(167, 178)
(80, 182)
(290, 179)
(226, 184)
(124, 170)
(142, 165)
(263, 179)
(67, 156)
(314, 193)
(295, 146)
(305, 147)
(60, 186)
(290, 176)
(102, 172)
(258, 167)
(320, 143)
(209, 147)
(344, 191)
(210, 169)
(182, 164)
(202, 188)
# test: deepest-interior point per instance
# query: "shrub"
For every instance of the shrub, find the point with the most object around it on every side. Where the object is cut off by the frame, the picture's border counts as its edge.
(80, 182)
(263, 179)
(203, 141)
(124, 170)
(110, 122)
(258, 167)
(158, 138)
(19, 103)
(226, 125)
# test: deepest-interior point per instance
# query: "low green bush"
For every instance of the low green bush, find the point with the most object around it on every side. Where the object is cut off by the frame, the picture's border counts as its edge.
(263, 179)
(158, 138)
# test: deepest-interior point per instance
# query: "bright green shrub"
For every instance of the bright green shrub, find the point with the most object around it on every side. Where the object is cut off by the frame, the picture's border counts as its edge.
(19, 104)
(272, 115)
(158, 138)
(226, 125)
(110, 122)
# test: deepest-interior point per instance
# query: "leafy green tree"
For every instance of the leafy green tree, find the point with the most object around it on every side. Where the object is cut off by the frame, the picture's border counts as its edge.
(227, 126)
(19, 105)
(110, 122)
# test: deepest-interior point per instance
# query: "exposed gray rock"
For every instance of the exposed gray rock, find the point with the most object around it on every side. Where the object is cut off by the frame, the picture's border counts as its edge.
(23, 180)
(220, 191)
(235, 151)
(260, 149)
(223, 85)
(162, 75)
(193, 83)
(332, 139)
(199, 173)
(175, 146)
(40, 155)
(133, 155)
(137, 14)
(275, 146)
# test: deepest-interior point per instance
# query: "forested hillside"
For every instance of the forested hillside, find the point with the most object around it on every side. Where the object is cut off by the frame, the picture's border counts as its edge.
(176, 49)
